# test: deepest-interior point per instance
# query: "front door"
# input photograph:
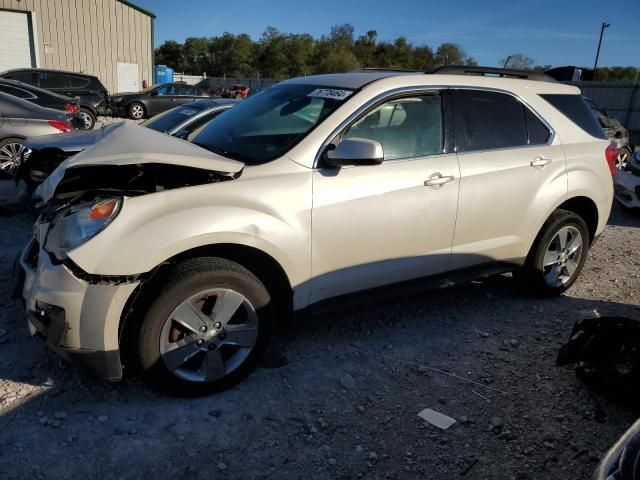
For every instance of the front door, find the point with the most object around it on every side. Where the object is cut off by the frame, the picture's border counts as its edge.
(511, 171)
(378, 224)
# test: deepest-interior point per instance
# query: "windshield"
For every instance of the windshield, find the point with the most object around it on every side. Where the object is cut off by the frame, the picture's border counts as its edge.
(269, 124)
(172, 118)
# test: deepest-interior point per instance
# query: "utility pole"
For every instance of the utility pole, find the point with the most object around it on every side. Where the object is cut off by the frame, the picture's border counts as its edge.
(595, 65)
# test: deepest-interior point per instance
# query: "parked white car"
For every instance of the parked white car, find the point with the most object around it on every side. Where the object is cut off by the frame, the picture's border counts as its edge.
(180, 257)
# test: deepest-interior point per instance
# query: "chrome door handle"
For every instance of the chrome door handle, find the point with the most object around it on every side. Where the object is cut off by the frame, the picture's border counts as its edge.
(540, 162)
(437, 180)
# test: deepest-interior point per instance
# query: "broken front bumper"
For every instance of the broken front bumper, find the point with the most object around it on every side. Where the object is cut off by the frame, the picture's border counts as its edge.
(627, 188)
(77, 319)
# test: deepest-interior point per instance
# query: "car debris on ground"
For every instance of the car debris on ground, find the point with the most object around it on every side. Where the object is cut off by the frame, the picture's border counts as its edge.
(436, 419)
(606, 355)
(627, 182)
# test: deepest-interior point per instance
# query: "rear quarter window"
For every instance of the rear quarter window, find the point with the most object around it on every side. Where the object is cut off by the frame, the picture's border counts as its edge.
(78, 82)
(576, 109)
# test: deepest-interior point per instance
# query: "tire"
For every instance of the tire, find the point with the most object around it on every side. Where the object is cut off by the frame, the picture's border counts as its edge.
(214, 363)
(541, 279)
(11, 150)
(136, 111)
(88, 118)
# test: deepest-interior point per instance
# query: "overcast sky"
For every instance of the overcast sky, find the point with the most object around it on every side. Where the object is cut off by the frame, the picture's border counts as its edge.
(555, 32)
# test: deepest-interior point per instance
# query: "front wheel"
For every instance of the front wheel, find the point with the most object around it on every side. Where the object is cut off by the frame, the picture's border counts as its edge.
(207, 329)
(11, 152)
(136, 111)
(557, 256)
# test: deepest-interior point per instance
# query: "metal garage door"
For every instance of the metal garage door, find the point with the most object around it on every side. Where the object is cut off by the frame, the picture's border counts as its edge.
(16, 47)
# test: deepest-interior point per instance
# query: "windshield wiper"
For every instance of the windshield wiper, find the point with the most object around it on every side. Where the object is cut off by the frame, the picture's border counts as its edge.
(221, 151)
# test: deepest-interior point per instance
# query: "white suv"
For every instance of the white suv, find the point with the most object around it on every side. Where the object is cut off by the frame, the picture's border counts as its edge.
(179, 258)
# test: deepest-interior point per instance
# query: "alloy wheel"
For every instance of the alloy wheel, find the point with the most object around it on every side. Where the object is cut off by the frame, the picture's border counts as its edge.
(86, 120)
(11, 156)
(562, 257)
(209, 335)
(137, 112)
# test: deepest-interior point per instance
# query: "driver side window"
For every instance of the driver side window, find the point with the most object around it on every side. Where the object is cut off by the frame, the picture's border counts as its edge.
(166, 89)
(406, 127)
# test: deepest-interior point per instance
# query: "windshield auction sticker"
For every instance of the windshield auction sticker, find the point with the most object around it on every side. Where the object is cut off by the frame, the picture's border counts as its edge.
(330, 93)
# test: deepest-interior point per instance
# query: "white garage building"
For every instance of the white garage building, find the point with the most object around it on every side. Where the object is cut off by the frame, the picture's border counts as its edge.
(112, 39)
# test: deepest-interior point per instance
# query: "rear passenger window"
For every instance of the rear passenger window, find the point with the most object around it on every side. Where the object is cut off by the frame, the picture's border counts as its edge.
(405, 127)
(78, 82)
(538, 131)
(50, 80)
(17, 92)
(488, 120)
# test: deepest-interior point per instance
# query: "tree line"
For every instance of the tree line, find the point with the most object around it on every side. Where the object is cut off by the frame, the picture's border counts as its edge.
(280, 55)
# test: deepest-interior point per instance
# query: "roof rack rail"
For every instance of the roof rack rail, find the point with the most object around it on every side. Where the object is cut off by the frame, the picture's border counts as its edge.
(382, 69)
(492, 72)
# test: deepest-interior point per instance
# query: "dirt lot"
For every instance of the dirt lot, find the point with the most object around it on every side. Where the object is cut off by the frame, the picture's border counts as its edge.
(339, 395)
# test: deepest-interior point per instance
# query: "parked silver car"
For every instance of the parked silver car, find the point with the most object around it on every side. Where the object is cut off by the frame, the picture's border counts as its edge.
(20, 119)
(47, 152)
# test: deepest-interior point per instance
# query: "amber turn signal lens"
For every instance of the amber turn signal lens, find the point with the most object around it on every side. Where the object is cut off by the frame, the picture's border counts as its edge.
(104, 209)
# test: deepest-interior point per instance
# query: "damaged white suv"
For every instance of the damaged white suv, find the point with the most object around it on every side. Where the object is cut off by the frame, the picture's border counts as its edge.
(177, 259)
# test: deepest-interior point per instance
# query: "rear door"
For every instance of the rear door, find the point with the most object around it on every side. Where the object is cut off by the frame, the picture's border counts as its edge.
(164, 99)
(186, 93)
(512, 170)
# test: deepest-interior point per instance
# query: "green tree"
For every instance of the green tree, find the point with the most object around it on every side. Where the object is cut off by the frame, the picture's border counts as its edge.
(170, 54)
(517, 61)
(452, 54)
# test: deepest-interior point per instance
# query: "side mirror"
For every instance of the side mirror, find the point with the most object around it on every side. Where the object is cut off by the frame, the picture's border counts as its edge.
(355, 151)
(154, 93)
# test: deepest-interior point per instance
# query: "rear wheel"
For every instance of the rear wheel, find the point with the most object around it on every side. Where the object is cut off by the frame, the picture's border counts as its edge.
(558, 254)
(11, 150)
(136, 111)
(88, 118)
(207, 329)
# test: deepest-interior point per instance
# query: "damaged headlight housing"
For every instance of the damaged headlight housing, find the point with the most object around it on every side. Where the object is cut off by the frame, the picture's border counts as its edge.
(79, 224)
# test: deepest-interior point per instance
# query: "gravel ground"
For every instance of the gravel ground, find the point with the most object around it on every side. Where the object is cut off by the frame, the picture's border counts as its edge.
(339, 395)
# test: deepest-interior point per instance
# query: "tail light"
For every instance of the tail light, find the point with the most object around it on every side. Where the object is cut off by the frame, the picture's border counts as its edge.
(71, 108)
(611, 154)
(64, 127)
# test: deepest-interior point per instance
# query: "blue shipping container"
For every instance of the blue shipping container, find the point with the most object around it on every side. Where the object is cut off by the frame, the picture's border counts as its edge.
(163, 74)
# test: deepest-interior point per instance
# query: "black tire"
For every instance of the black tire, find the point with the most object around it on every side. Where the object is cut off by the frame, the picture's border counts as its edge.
(88, 117)
(532, 274)
(181, 283)
(7, 167)
(136, 111)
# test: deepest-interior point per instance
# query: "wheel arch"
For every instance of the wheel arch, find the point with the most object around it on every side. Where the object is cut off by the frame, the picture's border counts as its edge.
(586, 209)
(90, 108)
(581, 205)
(261, 264)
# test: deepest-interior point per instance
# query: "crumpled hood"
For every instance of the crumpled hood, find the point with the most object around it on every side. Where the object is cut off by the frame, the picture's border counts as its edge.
(129, 144)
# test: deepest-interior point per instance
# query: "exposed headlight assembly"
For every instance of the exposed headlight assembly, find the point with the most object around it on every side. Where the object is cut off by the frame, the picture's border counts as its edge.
(79, 224)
